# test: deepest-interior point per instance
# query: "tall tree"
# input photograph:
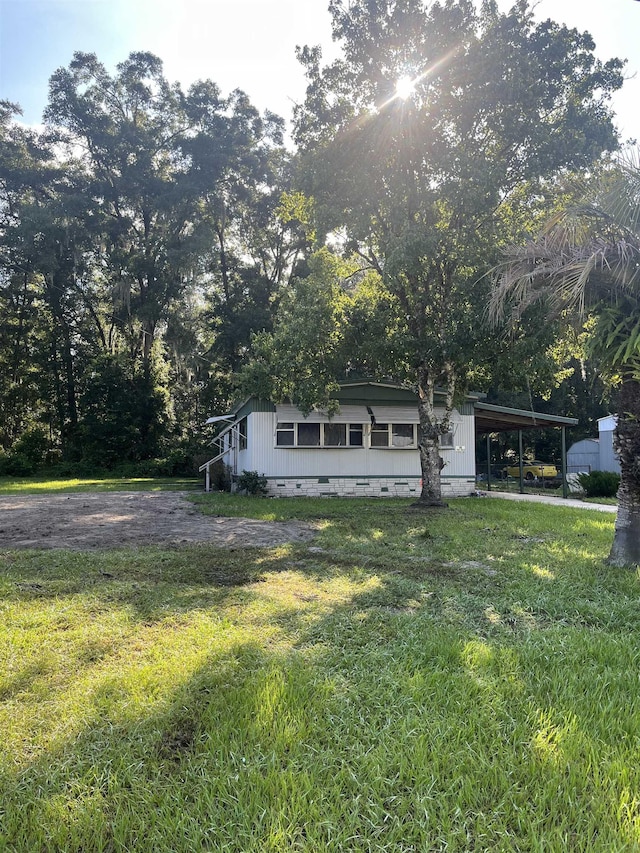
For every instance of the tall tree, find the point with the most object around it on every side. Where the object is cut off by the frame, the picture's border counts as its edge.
(125, 131)
(136, 208)
(430, 141)
(43, 245)
(588, 259)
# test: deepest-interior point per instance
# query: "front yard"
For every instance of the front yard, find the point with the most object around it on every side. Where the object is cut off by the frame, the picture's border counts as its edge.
(406, 681)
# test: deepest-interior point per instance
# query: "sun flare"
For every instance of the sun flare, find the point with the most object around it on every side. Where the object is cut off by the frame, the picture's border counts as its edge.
(405, 87)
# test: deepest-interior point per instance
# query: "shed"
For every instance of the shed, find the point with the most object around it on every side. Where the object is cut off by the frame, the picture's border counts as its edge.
(595, 454)
(584, 456)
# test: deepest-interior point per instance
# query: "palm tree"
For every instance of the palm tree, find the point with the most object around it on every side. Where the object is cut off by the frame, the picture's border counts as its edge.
(587, 260)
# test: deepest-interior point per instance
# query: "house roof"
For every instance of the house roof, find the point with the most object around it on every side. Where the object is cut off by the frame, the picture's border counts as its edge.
(355, 392)
(366, 392)
(490, 418)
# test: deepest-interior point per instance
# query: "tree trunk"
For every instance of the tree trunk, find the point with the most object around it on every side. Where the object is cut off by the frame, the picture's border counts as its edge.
(431, 465)
(430, 431)
(625, 550)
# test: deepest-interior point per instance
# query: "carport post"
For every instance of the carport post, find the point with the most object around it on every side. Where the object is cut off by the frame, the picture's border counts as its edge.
(520, 461)
(488, 461)
(565, 485)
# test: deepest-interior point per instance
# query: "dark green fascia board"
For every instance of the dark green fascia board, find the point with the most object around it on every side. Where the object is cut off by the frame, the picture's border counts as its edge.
(365, 392)
(358, 393)
(504, 419)
(252, 404)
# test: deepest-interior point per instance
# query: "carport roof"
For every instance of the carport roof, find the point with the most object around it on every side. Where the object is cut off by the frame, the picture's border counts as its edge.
(490, 418)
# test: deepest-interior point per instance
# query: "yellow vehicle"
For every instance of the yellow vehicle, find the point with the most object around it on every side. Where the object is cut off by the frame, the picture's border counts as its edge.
(532, 470)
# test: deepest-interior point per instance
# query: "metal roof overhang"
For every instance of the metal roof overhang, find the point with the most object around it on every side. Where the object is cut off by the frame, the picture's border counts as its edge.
(490, 418)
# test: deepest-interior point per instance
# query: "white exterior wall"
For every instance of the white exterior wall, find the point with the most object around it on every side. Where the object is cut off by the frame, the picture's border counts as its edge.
(353, 471)
(609, 460)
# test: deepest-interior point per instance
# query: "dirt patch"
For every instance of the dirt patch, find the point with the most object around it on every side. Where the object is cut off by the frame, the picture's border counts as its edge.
(87, 521)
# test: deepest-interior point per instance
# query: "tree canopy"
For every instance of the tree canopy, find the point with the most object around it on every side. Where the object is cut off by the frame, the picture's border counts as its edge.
(158, 246)
(430, 178)
(139, 209)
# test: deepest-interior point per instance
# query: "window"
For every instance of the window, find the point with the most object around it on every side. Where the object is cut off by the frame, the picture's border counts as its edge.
(308, 435)
(242, 434)
(393, 435)
(335, 435)
(380, 435)
(402, 435)
(285, 435)
(302, 434)
(355, 435)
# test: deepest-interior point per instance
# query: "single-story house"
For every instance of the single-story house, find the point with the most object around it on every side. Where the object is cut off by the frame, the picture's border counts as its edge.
(595, 454)
(368, 448)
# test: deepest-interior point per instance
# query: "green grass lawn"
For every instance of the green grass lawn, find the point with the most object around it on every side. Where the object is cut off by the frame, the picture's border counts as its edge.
(458, 680)
(34, 485)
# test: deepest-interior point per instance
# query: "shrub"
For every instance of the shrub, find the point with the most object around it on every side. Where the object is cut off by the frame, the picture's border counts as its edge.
(177, 463)
(16, 465)
(33, 444)
(252, 483)
(600, 484)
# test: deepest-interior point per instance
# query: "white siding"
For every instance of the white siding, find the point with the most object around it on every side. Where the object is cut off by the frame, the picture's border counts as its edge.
(609, 460)
(353, 470)
(608, 423)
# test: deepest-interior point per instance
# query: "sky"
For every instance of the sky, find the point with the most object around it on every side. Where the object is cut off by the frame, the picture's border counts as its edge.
(246, 44)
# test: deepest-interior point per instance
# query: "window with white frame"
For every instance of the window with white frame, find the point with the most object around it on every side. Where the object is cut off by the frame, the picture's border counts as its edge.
(393, 435)
(309, 435)
(304, 434)
(285, 434)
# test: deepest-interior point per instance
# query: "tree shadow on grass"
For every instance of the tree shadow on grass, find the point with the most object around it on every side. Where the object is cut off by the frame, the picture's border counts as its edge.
(405, 711)
(382, 732)
(148, 580)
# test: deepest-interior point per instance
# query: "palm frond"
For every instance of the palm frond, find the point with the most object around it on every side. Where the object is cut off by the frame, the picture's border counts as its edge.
(589, 254)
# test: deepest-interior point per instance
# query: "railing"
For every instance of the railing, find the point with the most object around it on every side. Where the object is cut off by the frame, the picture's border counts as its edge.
(219, 442)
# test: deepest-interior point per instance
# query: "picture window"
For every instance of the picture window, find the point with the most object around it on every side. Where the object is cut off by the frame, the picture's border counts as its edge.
(308, 435)
(335, 435)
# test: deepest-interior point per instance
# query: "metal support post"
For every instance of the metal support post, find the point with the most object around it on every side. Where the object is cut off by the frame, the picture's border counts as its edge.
(565, 485)
(521, 472)
(488, 461)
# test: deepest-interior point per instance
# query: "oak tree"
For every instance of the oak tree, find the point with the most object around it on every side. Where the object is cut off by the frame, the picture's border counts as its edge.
(429, 141)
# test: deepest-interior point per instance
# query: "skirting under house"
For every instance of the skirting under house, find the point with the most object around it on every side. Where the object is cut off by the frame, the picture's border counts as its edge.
(356, 487)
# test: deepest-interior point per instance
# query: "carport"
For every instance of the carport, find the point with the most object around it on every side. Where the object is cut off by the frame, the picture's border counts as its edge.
(491, 419)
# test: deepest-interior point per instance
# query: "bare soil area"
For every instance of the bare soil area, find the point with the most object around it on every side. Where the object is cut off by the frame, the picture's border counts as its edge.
(87, 521)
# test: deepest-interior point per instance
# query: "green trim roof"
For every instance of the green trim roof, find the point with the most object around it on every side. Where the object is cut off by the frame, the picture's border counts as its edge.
(490, 418)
